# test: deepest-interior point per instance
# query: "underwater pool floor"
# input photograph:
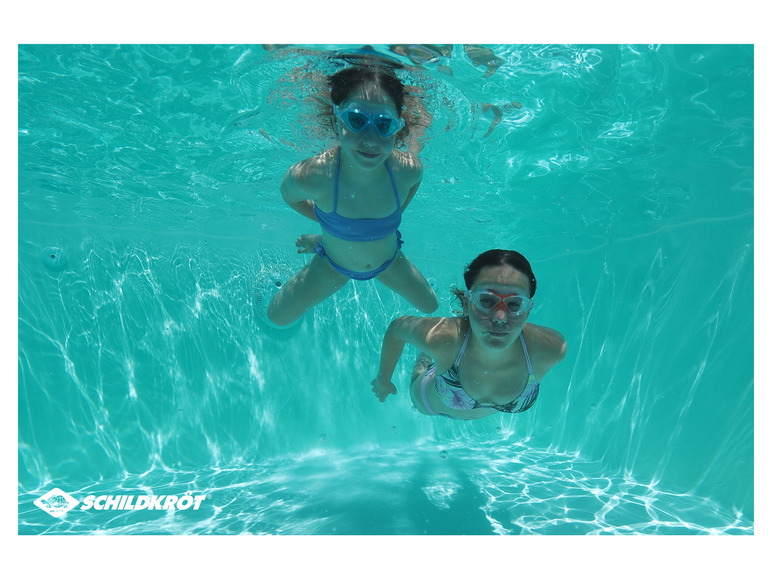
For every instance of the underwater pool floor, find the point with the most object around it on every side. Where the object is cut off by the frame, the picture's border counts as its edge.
(437, 489)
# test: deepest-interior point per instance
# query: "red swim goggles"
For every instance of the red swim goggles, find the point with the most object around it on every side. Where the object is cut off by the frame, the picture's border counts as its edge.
(488, 301)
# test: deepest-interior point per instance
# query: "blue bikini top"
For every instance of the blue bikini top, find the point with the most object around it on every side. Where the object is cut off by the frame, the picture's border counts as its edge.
(359, 229)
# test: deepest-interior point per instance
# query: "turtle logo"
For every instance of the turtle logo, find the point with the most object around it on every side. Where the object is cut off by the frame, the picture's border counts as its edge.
(56, 503)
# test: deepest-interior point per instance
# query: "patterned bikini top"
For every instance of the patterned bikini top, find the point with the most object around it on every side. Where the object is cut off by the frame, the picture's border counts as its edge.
(453, 394)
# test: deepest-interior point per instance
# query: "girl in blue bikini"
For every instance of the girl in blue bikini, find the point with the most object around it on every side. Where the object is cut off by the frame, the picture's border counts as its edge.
(486, 361)
(357, 192)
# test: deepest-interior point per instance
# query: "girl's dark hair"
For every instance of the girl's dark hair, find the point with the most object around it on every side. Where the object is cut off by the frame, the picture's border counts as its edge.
(499, 257)
(347, 80)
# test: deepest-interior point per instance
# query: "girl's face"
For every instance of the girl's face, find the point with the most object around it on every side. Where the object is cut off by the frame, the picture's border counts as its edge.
(498, 329)
(366, 149)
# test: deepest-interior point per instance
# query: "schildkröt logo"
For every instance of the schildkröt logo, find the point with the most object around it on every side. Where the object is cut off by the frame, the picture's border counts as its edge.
(56, 503)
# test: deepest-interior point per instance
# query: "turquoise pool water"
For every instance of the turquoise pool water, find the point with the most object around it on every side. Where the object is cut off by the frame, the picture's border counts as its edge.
(149, 207)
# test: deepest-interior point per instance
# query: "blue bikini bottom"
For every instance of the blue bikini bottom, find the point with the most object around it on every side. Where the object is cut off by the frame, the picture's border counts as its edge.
(359, 275)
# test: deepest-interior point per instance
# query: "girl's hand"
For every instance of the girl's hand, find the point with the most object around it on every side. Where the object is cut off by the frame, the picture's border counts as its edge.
(383, 389)
(307, 243)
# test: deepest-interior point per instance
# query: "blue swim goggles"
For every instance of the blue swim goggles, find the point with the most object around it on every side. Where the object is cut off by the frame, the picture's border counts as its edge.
(488, 301)
(358, 121)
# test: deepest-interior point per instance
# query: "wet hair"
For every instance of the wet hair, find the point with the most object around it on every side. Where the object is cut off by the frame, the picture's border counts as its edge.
(494, 257)
(347, 80)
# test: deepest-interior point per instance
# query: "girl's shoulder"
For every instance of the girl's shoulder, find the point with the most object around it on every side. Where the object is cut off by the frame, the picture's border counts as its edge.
(446, 339)
(407, 170)
(312, 172)
(431, 332)
(443, 336)
(404, 161)
(545, 345)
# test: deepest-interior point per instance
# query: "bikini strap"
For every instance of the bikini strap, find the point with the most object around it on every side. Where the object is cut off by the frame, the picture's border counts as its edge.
(393, 184)
(525, 351)
(463, 347)
(337, 175)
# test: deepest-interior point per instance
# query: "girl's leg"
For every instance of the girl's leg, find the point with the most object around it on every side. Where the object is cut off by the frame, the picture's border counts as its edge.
(417, 384)
(405, 279)
(421, 364)
(313, 284)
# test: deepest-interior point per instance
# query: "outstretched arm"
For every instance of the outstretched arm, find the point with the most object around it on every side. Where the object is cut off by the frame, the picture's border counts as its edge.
(402, 330)
(391, 351)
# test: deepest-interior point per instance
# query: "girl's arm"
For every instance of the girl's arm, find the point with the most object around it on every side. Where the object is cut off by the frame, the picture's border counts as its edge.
(402, 330)
(410, 195)
(416, 173)
(549, 348)
(294, 193)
